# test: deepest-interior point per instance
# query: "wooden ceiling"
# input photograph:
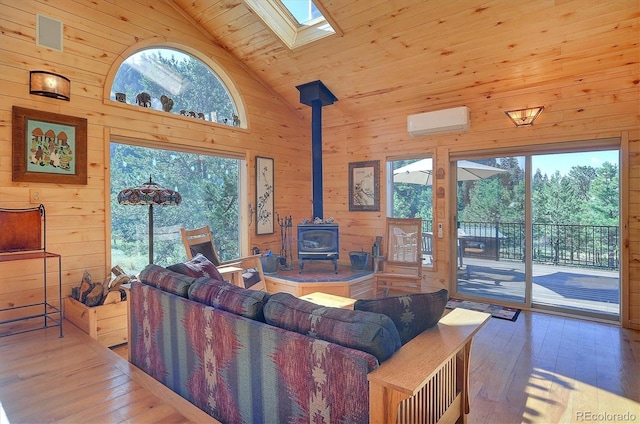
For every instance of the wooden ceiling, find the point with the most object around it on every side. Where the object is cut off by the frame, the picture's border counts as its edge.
(423, 55)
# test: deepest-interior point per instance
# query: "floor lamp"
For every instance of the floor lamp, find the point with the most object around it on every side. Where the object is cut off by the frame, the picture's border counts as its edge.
(150, 194)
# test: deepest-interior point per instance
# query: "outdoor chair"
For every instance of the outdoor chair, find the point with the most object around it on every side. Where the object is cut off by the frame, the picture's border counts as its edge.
(401, 269)
(427, 248)
(244, 272)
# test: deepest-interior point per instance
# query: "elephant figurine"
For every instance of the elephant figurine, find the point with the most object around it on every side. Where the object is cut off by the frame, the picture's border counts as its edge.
(200, 115)
(167, 103)
(143, 99)
(236, 120)
(121, 97)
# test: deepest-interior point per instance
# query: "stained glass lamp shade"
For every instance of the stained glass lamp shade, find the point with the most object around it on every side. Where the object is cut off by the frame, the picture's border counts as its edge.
(150, 194)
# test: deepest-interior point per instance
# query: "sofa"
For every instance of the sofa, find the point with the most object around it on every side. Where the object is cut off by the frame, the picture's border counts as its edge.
(247, 356)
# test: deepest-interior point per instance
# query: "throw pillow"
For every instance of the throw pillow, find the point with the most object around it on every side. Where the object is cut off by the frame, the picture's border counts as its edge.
(205, 249)
(200, 291)
(412, 313)
(240, 301)
(167, 280)
(230, 298)
(198, 266)
(366, 331)
(250, 277)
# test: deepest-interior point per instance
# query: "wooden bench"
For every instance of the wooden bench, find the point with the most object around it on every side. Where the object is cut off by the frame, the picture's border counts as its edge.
(427, 381)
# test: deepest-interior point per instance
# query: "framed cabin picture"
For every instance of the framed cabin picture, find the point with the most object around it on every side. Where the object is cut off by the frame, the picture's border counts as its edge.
(48, 147)
(364, 186)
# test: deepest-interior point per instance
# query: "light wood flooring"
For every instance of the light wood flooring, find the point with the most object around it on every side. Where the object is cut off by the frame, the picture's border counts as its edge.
(74, 379)
(540, 369)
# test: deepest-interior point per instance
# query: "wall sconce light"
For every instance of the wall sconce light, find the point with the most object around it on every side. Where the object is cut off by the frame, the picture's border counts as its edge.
(48, 84)
(524, 117)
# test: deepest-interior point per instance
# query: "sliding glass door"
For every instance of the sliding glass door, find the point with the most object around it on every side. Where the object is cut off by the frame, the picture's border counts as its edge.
(491, 228)
(576, 232)
(541, 231)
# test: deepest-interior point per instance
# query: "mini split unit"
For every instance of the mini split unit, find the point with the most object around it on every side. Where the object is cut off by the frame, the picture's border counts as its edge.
(439, 121)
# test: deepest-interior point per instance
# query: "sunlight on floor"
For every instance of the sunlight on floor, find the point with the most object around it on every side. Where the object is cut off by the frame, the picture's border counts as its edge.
(610, 407)
(3, 416)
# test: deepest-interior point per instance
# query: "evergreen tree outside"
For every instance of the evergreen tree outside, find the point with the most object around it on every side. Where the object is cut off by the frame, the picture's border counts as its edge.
(210, 193)
(580, 208)
(209, 185)
(187, 81)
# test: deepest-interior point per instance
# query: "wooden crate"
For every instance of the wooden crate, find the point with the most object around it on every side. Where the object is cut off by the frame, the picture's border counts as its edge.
(106, 323)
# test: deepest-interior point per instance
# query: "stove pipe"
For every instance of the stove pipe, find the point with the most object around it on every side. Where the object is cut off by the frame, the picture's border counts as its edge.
(316, 95)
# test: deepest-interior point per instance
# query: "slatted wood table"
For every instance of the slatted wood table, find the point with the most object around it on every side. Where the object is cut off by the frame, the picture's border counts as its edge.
(428, 379)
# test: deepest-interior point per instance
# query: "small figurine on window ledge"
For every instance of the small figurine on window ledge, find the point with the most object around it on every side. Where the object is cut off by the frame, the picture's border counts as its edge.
(236, 120)
(143, 99)
(167, 103)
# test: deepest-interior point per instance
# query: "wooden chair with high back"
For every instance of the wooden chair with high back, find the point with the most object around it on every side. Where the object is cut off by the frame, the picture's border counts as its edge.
(244, 272)
(427, 248)
(401, 269)
(200, 240)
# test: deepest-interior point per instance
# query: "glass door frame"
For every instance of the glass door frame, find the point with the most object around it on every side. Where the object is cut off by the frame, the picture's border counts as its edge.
(528, 152)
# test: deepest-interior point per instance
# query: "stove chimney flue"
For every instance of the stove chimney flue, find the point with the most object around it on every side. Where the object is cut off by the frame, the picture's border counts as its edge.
(316, 95)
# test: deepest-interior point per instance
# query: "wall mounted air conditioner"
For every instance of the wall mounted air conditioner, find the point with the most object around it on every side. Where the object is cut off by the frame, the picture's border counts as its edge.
(445, 120)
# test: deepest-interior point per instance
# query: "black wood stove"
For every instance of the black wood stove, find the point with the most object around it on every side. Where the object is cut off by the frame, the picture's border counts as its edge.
(318, 242)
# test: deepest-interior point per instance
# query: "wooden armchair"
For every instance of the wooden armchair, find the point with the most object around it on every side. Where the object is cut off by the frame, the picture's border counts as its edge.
(402, 264)
(244, 272)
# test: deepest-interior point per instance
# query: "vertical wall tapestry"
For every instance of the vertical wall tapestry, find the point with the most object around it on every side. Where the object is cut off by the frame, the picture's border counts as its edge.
(264, 195)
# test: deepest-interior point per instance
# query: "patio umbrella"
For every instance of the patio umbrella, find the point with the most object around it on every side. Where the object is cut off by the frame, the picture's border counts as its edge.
(420, 172)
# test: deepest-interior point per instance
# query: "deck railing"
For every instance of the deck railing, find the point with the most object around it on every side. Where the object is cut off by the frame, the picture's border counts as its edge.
(587, 246)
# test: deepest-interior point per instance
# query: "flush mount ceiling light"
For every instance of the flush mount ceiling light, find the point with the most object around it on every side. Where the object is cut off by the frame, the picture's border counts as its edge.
(524, 117)
(48, 84)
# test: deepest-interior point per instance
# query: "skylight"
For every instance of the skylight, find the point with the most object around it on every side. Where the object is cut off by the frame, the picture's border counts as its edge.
(304, 11)
(295, 22)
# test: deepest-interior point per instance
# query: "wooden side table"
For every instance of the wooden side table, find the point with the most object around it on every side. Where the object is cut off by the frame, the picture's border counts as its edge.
(233, 273)
(329, 300)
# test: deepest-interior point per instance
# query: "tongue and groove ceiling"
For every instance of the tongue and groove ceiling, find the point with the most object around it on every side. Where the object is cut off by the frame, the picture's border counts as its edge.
(422, 55)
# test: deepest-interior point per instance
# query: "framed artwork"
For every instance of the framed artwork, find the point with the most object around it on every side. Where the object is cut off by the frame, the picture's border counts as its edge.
(264, 196)
(364, 186)
(49, 147)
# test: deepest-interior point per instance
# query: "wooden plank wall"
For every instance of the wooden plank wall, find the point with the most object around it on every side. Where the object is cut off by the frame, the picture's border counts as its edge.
(588, 101)
(97, 38)
(589, 106)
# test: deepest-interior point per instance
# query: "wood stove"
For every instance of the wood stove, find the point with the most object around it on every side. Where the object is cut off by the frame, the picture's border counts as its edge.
(318, 242)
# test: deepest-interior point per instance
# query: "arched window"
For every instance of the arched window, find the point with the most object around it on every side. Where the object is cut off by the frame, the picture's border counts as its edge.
(208, 181)
(175, 82)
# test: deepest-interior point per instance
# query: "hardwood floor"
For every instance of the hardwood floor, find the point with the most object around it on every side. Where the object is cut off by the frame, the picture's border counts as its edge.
(539, 369)
(74, 379)
(551, 369)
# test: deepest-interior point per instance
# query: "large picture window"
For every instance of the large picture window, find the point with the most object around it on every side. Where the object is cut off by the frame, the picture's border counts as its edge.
(210, 190)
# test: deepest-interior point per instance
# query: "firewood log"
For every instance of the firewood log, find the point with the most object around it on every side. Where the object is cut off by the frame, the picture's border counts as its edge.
(111, 297)
(94, 297)
(117, 271)
(85, 287)
(119, 280)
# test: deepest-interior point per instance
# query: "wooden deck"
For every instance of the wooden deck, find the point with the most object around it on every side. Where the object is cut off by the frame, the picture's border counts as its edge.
(575, 289)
